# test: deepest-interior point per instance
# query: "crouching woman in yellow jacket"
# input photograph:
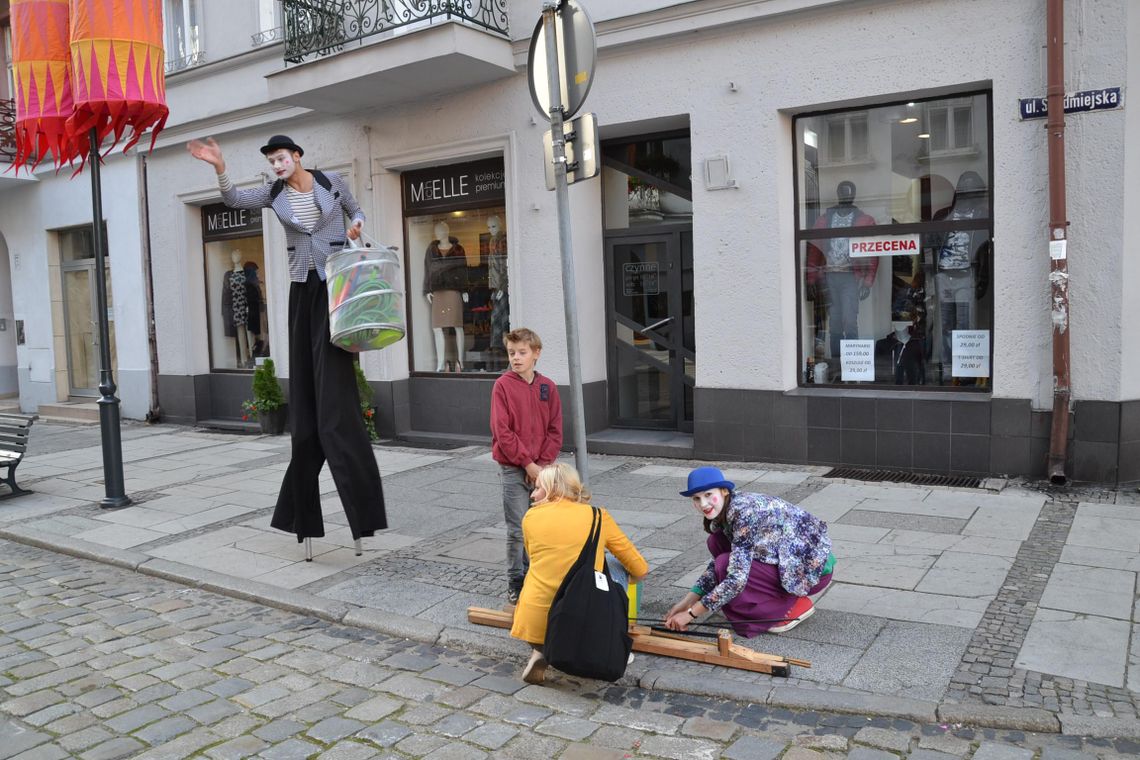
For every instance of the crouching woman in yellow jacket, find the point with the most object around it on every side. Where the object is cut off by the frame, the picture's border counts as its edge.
(554, 530)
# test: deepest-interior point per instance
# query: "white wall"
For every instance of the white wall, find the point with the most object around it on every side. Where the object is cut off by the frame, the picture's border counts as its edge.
(28, 219)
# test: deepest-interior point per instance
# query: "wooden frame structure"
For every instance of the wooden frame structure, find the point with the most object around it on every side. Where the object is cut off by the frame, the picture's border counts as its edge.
(667, 644)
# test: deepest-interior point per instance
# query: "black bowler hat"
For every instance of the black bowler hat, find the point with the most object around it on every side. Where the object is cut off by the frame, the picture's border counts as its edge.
(277, 142)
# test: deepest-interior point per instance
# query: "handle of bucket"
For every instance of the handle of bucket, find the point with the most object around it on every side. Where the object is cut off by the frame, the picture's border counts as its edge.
(369, 242)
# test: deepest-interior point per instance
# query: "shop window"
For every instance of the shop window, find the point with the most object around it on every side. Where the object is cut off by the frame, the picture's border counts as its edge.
(238, 315)
(455, 233)
(896, 258)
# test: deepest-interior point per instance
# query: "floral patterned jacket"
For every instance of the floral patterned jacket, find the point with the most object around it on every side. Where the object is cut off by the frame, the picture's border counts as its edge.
(766, 529)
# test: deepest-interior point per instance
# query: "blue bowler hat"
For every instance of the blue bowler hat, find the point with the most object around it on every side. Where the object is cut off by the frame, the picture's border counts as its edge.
(704, 478)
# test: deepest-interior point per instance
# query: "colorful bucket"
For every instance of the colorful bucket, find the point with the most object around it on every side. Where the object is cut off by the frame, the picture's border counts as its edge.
(366, 302)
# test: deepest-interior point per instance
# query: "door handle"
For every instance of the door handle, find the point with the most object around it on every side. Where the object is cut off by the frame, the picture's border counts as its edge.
(658, 323)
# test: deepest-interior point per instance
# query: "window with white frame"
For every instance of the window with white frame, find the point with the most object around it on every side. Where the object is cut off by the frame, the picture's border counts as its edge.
(6, 52)
(846, 137)
(268, 14)
(182, 21)
(951, 126)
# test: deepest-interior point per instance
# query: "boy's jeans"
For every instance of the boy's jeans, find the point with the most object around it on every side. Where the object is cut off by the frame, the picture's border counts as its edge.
(516, 501)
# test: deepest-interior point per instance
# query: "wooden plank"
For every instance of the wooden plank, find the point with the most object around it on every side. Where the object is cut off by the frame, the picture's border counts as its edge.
(668, 644)
(493, 618)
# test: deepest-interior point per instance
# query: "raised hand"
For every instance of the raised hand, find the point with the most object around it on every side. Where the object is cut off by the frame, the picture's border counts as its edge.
(208, 151)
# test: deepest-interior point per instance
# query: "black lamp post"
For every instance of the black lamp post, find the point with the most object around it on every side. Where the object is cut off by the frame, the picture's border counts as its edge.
(108, 404)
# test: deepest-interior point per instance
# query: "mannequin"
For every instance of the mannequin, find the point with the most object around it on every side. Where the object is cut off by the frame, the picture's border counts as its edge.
(235, 309)
(907, 356)
(961, 277)
(445, 282)
(848, 280)
(256, 300)
(497, 281)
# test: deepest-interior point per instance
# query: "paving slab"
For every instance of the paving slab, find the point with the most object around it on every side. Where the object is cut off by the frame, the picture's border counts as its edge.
(910, 660)
(1076, 646)
(965, 574)
(1092, 590)
(910, 606)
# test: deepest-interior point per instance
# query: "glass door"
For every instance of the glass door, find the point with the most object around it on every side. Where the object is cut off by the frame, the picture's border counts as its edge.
(80, 311)
(652, 361)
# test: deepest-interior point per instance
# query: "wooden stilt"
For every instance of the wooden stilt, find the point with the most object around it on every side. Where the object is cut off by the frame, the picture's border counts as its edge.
(677, 645)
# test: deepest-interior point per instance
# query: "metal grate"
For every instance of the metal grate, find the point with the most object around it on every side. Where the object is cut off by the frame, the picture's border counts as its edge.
(896, 476)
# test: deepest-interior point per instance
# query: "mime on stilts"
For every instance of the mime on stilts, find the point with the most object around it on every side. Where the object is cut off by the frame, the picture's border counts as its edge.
(324, 404)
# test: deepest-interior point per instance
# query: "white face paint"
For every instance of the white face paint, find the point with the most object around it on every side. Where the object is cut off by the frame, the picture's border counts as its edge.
(709, 503)
(282, 163)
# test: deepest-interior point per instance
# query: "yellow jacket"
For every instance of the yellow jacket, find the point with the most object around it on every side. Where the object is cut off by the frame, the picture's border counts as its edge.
(553, 534)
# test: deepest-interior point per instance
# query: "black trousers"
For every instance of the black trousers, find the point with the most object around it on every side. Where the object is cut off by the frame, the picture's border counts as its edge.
(326, 423)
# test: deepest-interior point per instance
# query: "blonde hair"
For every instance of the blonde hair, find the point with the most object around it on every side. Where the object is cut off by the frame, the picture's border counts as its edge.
(524, 335)
(561, 481)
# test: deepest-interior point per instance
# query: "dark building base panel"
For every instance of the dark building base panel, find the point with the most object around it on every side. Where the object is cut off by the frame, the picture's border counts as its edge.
(931, 433)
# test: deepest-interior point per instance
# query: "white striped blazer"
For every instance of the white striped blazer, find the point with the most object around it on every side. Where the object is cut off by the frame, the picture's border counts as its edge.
(303, 246)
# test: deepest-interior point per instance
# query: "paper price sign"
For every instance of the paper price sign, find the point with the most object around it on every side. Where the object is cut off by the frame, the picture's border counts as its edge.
(971, 349)
(857, 359)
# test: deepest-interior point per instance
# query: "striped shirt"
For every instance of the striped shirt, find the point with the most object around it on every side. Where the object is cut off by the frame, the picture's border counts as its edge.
(308, 213)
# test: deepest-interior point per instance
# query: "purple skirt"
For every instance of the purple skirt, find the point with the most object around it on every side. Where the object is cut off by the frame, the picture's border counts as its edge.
(762, 598)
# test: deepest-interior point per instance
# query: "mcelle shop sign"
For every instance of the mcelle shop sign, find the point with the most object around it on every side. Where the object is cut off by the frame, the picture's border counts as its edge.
(476, 184)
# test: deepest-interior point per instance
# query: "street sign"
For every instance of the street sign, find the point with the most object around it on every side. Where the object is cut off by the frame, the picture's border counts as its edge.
(1104, 99)
(577, 56)
(581, 150)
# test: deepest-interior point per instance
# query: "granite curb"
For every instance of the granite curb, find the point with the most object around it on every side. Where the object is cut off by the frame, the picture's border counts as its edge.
(434, 634)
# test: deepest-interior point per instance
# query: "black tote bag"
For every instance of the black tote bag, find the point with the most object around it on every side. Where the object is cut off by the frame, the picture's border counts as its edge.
(587, 632)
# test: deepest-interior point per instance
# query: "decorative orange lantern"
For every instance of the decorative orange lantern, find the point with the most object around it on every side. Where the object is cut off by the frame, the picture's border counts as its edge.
(41, 67)
(117, 65)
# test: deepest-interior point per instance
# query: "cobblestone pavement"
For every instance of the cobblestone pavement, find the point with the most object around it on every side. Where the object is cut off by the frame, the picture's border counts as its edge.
(98, 663)
(1015, 600)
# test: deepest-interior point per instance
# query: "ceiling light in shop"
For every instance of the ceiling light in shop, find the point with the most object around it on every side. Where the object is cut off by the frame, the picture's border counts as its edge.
(908, 120)
(924, 136)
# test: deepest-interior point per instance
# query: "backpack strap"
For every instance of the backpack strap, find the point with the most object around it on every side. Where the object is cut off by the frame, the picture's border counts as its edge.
(320, 177)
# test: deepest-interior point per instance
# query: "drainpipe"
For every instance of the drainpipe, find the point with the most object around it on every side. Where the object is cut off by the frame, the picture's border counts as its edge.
(1058, 256)
(154, 413)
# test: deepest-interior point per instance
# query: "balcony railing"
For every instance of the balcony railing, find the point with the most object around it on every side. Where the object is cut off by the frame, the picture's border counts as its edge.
(7, 131)
(178, 64)
(323, 27)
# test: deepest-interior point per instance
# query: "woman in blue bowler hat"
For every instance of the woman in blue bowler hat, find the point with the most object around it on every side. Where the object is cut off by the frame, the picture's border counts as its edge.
(768, 557)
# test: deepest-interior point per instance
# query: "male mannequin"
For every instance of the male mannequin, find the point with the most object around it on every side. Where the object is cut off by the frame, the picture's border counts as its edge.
(907, 356)
(961, 278)
(497, 281)
(445, 279)
(848, 280)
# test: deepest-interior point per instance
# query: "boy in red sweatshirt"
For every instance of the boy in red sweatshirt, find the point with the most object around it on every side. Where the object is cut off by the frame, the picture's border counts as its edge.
(526, 435)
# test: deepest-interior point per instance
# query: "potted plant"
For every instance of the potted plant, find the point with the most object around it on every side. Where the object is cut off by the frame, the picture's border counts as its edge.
(366, 409)
(268, 403)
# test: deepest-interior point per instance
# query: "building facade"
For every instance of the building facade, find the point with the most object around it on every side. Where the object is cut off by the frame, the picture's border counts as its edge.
(818, 234)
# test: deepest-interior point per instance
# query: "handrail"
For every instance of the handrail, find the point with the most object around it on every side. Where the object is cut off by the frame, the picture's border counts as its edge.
(323, 27)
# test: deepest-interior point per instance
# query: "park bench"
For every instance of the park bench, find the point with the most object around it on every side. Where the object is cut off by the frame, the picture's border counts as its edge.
(14, 430)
